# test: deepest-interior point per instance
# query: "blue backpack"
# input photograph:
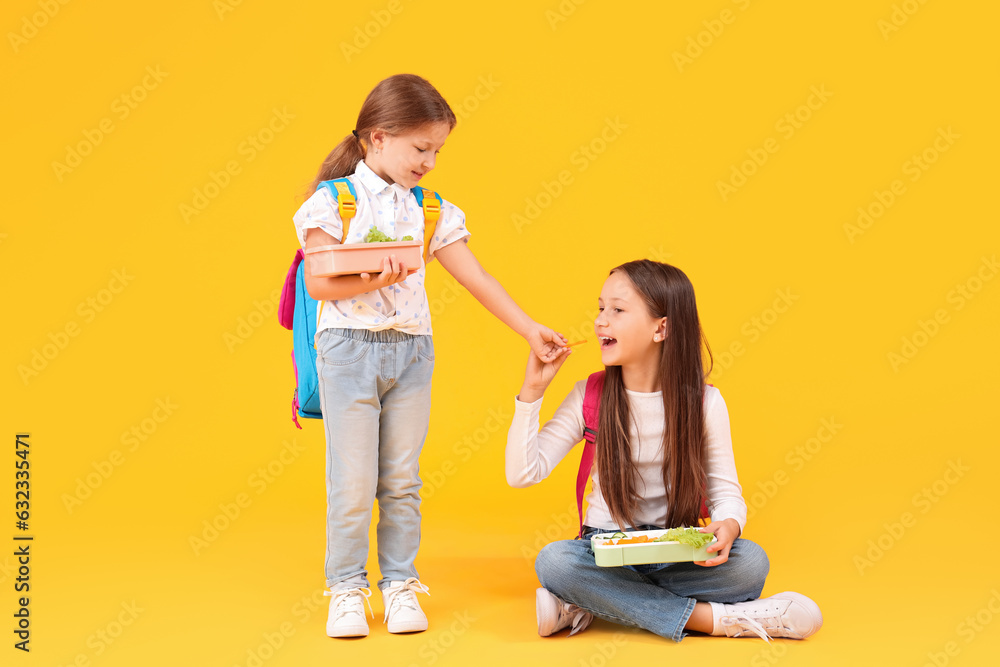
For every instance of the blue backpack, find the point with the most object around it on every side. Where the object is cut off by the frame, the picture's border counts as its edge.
(299, 312)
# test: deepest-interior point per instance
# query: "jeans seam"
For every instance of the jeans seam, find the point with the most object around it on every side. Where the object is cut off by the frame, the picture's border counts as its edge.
(327, 434)
(679, 633)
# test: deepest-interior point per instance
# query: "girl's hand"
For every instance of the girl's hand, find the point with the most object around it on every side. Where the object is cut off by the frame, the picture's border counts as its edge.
(393, 271)
(547, 344)
(538, 375)
(726, 532)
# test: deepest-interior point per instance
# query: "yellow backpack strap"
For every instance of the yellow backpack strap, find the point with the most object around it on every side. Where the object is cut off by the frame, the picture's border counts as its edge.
(343, 193)
(346, 204)
(430, 202)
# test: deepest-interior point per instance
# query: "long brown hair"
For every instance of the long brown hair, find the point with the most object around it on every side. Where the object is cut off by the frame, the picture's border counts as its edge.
(401, 103)
(667, 293)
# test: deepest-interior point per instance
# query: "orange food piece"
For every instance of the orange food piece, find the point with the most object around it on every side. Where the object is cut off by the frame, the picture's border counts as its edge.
(638, 539)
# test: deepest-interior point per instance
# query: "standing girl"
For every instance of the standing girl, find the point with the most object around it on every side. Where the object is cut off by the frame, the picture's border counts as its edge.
(374, 348)
(663, 443)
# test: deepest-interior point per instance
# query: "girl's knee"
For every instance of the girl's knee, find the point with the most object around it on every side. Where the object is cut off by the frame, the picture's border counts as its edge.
(755, 559)
(399, 485)
(754, 566)
(554, 559)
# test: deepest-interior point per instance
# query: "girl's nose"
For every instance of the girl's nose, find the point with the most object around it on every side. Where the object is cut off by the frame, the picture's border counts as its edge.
(429, 161)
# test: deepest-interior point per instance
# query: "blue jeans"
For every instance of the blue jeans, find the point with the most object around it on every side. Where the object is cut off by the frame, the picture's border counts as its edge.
(375, 388)
(658, 597)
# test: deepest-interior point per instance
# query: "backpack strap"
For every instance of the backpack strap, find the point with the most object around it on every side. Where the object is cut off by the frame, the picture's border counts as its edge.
(430, 202)
(286, 307)
(295, 396)
(343, 193)
(591, 410)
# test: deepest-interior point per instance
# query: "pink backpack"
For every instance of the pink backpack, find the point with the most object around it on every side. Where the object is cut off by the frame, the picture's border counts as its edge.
(591, 413)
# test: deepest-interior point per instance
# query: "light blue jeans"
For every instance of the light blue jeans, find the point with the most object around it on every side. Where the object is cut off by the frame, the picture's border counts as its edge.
(658, 598)
(375, 388)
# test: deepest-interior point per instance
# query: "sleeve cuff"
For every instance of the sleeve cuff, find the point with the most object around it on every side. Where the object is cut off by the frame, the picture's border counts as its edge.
(523, 405)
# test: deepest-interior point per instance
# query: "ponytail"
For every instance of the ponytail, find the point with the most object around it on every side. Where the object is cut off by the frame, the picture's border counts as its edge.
(342, 161)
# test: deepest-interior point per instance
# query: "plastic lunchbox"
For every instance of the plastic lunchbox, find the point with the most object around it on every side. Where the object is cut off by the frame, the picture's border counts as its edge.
(607, 554)
(345, 259)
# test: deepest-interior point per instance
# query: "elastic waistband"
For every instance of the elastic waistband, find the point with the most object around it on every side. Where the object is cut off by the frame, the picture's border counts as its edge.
(383, 336)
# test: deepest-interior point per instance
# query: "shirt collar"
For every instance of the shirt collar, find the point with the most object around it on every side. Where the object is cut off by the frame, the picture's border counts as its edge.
(374, 183)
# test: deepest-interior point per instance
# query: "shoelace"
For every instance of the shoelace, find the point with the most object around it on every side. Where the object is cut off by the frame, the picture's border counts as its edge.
(740, 621)
(580, 619)
(347, 601)
(403, 596)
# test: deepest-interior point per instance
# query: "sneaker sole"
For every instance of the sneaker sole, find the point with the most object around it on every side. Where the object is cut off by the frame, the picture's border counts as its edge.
(402, 628)
(348, 631)
(546, 612)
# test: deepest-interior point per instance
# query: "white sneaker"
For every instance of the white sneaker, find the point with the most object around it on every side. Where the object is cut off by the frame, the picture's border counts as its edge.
(791, 615)
(402, 611)
(347, 613)
(553, 615)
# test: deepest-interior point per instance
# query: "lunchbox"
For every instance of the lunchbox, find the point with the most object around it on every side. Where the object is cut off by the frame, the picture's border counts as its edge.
(349, 258)
(616, 555)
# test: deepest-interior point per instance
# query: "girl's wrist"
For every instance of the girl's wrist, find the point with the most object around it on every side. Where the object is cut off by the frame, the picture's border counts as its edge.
(530, 393)
(529, 330)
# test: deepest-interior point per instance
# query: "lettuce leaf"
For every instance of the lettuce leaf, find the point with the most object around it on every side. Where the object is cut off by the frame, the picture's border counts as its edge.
(375, 236)
(690, 536)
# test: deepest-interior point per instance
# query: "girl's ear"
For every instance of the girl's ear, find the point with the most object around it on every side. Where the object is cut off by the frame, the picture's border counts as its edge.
(662, 330)
(378, 138)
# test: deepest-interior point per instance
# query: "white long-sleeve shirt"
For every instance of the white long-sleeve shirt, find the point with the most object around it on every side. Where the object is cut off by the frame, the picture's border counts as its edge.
(532, 454)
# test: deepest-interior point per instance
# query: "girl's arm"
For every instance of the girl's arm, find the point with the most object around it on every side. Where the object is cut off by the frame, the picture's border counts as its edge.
(345, 287)
(725, 495)
(538, 376)
(532, 454)
(459, 261)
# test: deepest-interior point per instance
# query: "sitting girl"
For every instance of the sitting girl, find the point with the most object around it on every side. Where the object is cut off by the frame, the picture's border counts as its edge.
(663, 450)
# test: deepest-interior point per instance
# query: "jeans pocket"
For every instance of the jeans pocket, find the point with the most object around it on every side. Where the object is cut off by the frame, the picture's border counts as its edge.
(425, 348)
(338, 350)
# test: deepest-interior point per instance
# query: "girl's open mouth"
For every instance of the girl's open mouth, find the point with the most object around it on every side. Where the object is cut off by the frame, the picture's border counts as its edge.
(607, 341)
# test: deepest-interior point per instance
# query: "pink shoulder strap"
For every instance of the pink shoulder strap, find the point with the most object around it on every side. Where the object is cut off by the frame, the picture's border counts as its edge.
(286, 307)
(591, 410)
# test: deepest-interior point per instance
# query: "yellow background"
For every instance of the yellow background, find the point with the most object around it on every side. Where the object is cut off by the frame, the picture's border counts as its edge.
(192, 323)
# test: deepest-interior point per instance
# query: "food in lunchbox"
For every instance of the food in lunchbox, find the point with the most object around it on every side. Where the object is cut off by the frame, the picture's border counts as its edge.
(376, 236)
(690, 536)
